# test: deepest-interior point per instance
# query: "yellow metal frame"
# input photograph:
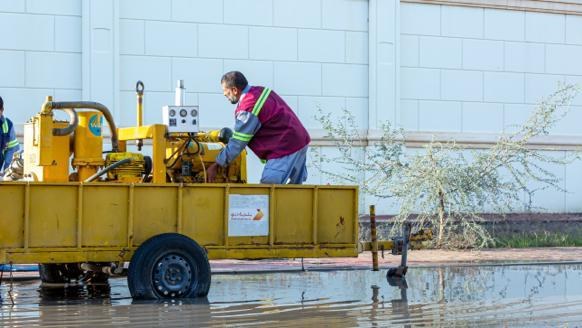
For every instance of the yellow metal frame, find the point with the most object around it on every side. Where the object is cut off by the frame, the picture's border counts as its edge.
(102, 222)
(156, 132)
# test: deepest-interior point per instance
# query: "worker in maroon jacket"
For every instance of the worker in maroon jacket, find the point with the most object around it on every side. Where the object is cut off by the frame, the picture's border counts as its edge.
(268, 126)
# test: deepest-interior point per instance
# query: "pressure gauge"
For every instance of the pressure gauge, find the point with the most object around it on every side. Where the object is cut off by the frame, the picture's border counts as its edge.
(194, 113)
(183, 112)
(172, 113)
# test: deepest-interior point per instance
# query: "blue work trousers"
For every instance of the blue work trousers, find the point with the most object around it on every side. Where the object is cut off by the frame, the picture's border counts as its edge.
(287, 169)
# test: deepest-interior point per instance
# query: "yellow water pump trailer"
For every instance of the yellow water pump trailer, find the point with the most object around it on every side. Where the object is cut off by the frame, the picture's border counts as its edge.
(80, 211)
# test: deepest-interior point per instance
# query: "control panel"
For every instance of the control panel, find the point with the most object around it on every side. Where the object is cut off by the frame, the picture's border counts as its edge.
(181, 118)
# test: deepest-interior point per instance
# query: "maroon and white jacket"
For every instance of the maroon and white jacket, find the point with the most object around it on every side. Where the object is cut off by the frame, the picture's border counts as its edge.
(266, 124)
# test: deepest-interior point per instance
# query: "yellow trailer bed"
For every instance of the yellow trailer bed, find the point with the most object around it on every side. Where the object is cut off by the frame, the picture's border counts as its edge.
(107, 222)
(73, 222)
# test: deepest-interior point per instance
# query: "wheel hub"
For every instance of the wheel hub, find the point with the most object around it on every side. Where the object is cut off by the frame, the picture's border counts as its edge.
(172, 276)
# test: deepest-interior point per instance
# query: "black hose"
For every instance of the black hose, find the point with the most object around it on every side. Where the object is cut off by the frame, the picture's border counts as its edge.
(72, 124)
(107, 169)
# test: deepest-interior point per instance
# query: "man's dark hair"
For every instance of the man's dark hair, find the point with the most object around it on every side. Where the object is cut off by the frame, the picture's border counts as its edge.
(234, 79)
(1, 103)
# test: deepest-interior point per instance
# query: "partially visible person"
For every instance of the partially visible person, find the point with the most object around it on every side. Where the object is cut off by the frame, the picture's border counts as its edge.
(269, 127)
(8, 143)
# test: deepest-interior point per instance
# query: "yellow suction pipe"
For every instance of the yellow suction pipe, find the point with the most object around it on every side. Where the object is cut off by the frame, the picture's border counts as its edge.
(139, 91)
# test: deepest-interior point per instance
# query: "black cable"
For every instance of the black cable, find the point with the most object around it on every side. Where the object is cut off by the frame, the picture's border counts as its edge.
(180, 149)
(107, 169)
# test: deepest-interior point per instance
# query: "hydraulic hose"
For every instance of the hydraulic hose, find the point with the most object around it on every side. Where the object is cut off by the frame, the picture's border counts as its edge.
(49, 105)
(74, 121)
(107, 169)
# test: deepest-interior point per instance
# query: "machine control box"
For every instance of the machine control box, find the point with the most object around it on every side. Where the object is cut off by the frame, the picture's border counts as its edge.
(181, 118)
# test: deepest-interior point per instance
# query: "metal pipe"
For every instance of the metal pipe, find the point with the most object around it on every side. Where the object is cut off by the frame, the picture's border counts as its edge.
(139, 87)
(49, 105)
(406, 239)
(374, 238)
(107, 169)
(180, 95)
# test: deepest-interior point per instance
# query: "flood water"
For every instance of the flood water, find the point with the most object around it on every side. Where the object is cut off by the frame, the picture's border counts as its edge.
(509, 296)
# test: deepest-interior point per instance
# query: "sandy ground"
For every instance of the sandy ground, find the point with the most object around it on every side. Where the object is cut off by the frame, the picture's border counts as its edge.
(415, 258)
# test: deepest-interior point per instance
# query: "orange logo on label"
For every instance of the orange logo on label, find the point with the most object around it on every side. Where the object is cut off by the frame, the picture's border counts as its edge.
(259, 215)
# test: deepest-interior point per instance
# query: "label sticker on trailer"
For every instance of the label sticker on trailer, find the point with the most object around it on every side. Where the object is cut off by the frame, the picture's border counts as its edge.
(248, 215)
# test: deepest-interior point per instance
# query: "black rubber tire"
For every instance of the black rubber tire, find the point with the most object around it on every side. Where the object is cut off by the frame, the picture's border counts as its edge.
(153, 267)
(52, 273)
(60, 273)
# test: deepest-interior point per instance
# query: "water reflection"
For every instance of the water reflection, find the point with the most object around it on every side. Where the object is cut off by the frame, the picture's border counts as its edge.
(475, 296)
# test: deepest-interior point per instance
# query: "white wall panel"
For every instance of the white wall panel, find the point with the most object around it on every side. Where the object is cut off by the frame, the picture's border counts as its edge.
(542, 27)
(420, 19)
(462, 22)
(298, 13)
(439, 116)
(68, 33)
(273, 43)
(345, 14)
(462, 85)
(198, 11)
(131, 37)
(345, 80)
(55, 7)
(26, 32)
(483, 55)
(524, 57)
(298, 78)
(482, 117)
(409, 50)
(357, 47)
(504, 25)
(171, 39)
(420, 83)
(250, 12)
(53, 70)
(539, 86)
(504, 87)
(199, 75)
(223, 41)
(154, 72)
(438, 52)
(145, 9)
(574, 29)
(409, 115)
(309, 108)
(12, 6)
(563, 59)
(322, 46)
(12, 68)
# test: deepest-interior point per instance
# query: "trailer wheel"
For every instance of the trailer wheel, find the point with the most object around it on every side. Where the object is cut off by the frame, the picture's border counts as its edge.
(59, 273)
(52, 273)
(169, 266)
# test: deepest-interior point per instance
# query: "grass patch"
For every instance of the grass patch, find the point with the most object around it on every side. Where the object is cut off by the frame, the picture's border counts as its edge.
(543, 239)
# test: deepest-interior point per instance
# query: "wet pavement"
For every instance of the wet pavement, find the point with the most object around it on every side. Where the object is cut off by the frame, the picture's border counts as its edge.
(486, 295)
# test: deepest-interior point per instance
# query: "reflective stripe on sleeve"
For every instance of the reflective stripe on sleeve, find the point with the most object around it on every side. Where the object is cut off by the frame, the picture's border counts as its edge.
(12, 144)
(242, 136)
